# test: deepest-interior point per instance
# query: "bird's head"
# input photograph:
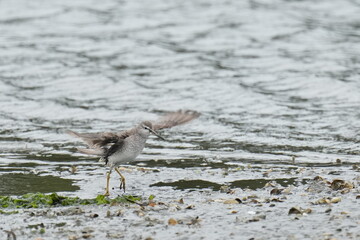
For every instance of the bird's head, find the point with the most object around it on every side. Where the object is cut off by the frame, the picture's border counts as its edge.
(146, 128)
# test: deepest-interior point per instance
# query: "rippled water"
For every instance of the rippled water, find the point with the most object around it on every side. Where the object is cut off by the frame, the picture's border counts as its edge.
(272, 79)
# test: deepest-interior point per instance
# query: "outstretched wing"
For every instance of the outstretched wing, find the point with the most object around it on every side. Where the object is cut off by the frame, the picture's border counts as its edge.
(100, 140)
(104, 144)
(175, 118)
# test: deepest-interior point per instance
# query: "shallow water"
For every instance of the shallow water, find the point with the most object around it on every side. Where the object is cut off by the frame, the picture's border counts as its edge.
(273, 80)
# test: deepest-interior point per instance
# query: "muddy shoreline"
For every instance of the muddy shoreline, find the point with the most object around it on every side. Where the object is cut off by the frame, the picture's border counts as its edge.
(322, 203)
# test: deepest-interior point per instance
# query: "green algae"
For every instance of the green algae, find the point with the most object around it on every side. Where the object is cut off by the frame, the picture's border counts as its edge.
(37, 200)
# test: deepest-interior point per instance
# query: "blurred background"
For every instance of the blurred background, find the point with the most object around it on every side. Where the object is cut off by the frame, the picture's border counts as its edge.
(274, 81)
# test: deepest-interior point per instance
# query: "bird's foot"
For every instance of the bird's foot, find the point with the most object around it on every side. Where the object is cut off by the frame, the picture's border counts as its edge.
(122, 183)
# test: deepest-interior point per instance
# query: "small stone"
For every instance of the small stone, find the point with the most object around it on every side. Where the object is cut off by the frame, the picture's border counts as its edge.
(231, 201)
(152, 204)
(224, 189)
(298, 210)
(269, 184)
(86, 235)
(172, 221)
(256, 218)
(324, 201)
(119, 213)
(307, 211)
(335, 200)
(339, 184)
(238, 199)
(318, 178)
(346, 190)
(254, 201)
(276, 191)
(295, 210)
(287, 191)
(139, 213)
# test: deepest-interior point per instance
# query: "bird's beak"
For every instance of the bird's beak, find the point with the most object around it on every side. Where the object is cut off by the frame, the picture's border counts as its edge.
(156, 134)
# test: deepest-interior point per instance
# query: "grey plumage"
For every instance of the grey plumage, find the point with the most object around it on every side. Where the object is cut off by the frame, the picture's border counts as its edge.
(116, 148)
(100, 143)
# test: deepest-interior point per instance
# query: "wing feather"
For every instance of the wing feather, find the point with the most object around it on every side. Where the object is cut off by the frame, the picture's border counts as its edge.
(175, 118)
(100, 140)
(105, 143)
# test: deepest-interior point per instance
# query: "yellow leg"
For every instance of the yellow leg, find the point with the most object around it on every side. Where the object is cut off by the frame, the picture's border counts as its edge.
(107, 183)
(122, 179)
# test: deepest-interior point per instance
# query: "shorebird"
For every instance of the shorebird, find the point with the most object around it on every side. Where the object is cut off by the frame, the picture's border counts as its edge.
(116, 148)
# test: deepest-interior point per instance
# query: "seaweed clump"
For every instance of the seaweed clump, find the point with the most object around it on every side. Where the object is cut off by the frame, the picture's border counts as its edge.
(37, 200)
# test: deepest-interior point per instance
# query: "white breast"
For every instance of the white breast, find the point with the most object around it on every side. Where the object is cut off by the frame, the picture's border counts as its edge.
(132, 147)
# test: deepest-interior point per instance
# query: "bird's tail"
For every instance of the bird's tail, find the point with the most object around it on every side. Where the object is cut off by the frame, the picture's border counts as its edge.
(97, 152)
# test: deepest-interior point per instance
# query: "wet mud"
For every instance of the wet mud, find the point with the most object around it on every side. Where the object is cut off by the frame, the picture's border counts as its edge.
(321, 199)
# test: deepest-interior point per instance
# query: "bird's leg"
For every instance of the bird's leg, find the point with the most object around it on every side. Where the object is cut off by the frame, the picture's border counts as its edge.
(107, 183)
(122, 179)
